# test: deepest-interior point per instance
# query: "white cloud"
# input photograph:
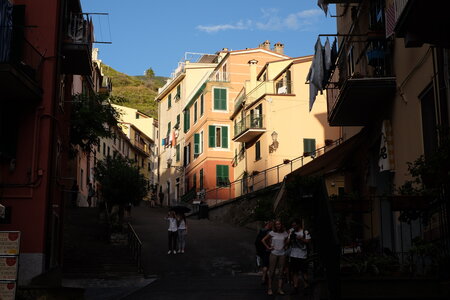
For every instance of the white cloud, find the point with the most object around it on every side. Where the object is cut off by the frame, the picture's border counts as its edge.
(241, 25)
(270, 20)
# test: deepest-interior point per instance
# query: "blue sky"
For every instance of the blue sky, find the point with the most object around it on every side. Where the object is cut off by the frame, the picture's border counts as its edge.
(156, 34)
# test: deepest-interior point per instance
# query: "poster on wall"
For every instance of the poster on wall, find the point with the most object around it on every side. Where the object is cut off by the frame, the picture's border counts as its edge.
(9, 242)
(7, 290)
(9, 267)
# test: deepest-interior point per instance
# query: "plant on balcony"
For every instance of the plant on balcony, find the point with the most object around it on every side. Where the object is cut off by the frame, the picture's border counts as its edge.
(92, 118)
(430, 181)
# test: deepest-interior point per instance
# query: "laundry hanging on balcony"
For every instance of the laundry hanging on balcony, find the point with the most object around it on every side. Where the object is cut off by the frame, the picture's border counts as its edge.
(386, 159)
(5, 29)
(316, 73)
(323, 6)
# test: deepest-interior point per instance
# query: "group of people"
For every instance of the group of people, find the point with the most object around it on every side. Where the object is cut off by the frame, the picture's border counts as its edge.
(282, 254)
(177, 232)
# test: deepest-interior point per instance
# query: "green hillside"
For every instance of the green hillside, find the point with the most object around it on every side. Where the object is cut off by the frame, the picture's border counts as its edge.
(135, 91)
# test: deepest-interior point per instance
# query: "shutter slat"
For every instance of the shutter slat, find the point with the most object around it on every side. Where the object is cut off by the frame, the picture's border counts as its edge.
(212, 136)
(224, 137)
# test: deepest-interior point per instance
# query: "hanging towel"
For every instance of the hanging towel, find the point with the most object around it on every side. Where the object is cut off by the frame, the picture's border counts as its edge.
(316, 74)
(323, 6)
(327, 54)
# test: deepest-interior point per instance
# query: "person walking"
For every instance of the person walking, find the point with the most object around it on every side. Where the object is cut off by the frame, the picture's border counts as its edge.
(91, 193)
(182, 232)
(278, 238)
(262, 254)
(299, 239)
(173, 232)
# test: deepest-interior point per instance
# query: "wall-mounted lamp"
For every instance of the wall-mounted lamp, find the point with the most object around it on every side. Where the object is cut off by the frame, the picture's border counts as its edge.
(274, 146)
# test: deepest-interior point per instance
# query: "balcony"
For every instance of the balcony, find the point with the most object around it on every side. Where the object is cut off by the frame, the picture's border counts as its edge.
(20, 68)
(279, 87)
(420, 22)
(249, 128)
(219, 76)
(361, 85)
(77, 45)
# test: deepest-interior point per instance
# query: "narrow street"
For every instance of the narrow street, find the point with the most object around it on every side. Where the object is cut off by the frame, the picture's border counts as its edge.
(219, 262)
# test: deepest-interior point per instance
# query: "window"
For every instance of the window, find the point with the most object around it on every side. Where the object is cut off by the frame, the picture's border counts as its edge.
(187, 154)
(350, 62)
(222, 178)
(258, 150)
(187, 121)
(178, 121)
(195, 112)
(202, 105)
(168, 129)
(108, 151)
(135, 158)
(177, 155)
(137, 116)
(178, 95)
(142, 162)
(169, 101)
(104, 148)
(149, 166)
(201, 179)
(220, 99)
(309, 147)
(218, 136)
(198, 144)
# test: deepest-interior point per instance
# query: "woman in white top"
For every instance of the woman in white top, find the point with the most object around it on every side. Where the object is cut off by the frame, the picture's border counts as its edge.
(173, 232)
(182, 232)
(278, 240)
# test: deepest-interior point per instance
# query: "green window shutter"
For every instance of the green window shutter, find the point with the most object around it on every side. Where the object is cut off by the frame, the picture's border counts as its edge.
(224, 137)
(178, 91)
(186, 121)
(217, 99)
(223, 99)
(225, 174)
(222, 178)
(201, 178)
(212, 136)
(202, 105)
(178, 120)
(218, 175)
(195, 112)
(178, 152)
(169, 101)
(309, 146)
(168, 128)
(196, 143)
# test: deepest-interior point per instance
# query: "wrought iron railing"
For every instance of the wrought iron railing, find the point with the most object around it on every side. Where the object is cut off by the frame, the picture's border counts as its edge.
(249, 122)
(358, 58)
(258, 180)
(135, 244)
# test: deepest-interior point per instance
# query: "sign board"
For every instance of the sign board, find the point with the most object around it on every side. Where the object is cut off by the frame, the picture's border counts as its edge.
(9, 267)
(9, 242)
(8, 290)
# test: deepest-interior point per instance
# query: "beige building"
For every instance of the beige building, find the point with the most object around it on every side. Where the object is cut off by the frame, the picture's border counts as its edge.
(273, 130)
(209, 149)
(172, 98)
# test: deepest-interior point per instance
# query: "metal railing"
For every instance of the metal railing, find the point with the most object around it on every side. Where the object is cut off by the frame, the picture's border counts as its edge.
(249, 122)
(135, 244)
(258, 180)
(357, 58)
(23, 55)
(219, 76)
(79, 29)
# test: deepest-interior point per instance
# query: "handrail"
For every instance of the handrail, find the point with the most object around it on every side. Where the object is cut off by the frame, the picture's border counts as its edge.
(135, 244)
(261, 178)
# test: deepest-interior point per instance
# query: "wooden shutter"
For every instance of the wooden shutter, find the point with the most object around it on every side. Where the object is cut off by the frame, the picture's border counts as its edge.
(212, 136)
(258, 150)
(195, 112)
(202, 105)
(216, 98)
(196, 143)
(223, 99)
(224, 137)
(169, 101)
(178, 152)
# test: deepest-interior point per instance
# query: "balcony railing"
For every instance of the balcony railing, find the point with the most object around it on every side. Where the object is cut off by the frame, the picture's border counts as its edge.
(362, 73)
(79, 29)
(279, 87)
(20, 66)
(219, 76)
(248, 123)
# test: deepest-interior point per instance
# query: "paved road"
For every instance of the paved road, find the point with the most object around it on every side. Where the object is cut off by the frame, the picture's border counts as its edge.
(219, 262)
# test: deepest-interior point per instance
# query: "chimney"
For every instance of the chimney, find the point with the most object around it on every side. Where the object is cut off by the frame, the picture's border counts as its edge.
(278, 48)
(252, 63)
(265, 45)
